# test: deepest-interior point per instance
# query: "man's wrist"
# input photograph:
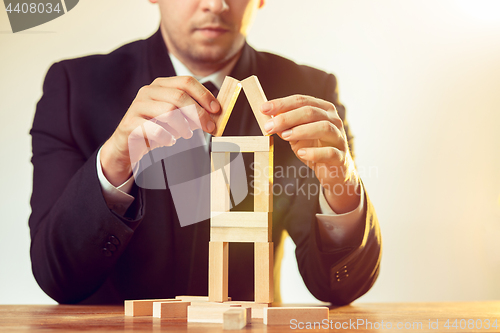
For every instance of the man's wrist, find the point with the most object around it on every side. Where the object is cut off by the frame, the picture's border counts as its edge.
(115, 170)
(343, 197)
(117, 198)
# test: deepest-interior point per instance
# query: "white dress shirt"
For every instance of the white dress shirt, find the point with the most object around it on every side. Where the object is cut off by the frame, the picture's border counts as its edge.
(336, 230)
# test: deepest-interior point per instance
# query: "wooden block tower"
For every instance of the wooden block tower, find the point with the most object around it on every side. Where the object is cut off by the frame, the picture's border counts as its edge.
(226, 226)
(254, 227)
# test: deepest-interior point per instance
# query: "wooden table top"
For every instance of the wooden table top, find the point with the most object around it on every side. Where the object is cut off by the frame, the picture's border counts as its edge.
(358, 317)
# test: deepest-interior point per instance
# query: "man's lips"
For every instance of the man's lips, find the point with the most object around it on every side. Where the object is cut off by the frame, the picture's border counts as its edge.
(212, 31)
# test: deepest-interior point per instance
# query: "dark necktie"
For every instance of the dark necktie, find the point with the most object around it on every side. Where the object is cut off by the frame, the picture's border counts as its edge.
(212, 88)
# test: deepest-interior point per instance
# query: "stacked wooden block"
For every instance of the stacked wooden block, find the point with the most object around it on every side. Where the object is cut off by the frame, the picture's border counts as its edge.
(254, 227)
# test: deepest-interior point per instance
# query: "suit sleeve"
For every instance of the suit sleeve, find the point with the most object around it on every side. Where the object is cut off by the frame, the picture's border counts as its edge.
(337, 275)
(75, 238)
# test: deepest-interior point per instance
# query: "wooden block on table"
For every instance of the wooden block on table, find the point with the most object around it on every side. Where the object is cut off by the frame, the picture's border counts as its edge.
(170, 310)
(283, 315)
(263, 180)
(220, 199)
(246, 144)
(241, 220)
(256, 97)
(143, 307)
(235, 319)
(218, 262)
(226, 304)
(241, 234)
(208, 314)
(248, 314)
(228, 94)
(264, 263)
(257, 309)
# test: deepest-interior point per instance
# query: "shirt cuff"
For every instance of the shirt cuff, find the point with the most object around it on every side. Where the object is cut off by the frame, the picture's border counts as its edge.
(340, 230)
(118, 198)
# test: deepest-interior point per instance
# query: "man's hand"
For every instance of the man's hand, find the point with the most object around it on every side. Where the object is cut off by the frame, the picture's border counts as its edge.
(158, 102)
(317, 137)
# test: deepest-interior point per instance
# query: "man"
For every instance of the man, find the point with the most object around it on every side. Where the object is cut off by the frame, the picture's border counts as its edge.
(98, 238)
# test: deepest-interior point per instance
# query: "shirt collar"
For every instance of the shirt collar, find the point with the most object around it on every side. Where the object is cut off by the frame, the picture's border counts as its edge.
(216, 78)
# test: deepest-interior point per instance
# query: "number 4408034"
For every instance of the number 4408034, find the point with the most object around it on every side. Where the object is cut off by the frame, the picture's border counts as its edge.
(33, 8)
(471, 324)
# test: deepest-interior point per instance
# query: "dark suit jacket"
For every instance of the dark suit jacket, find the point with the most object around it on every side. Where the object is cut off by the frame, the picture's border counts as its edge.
(151, 256)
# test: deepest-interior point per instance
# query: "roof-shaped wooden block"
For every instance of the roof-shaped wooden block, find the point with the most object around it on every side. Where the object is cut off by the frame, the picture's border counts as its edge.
(228, 95)
(256, 97)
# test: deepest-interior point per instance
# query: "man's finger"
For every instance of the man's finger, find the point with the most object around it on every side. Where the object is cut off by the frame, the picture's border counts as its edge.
(329, 155)
(194, 88)
(320, 130)
(145, 137)
(157, 136)
(293, 118)
(176, 120)
(285, 104)
(173, 99)
(191, 115)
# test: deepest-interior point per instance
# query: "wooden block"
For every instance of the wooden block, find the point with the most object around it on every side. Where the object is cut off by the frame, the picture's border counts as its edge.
(207, 314)
(247, 227)
(143, 307)
(257, 309)
(241, 219)
(228, 94)
(235, 319)
(220, 200)
(218, 257)
(263, 180)
(256, 97)
(170, 310)
(216, 304)
(241, 234)
(246, 144)
(248, 315)
(283, 315)
(264, 282)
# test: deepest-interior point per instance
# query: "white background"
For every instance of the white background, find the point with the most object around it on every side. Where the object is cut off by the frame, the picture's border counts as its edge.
(421, 81)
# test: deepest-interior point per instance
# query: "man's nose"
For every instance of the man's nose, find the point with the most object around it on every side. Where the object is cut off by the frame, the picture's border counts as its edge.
(215, 6)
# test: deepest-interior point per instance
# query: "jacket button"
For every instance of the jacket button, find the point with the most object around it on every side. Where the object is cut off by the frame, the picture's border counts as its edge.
(113, 240)
(107, 252)
(342, 274)
(110, 247)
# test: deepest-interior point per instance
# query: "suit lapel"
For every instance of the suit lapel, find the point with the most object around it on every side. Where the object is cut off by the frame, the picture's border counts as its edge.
(158, 58)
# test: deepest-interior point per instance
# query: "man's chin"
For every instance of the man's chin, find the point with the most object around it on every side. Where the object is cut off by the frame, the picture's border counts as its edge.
(213, 54)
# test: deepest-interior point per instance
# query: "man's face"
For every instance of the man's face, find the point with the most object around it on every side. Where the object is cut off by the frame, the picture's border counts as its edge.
(206, 30)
